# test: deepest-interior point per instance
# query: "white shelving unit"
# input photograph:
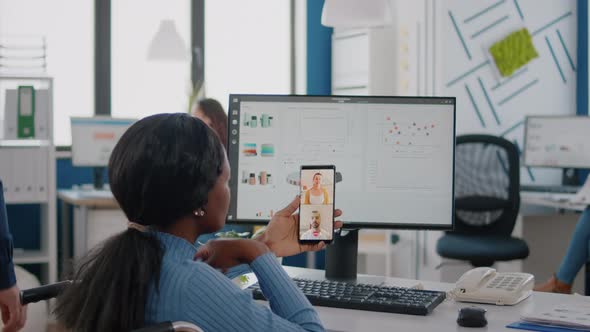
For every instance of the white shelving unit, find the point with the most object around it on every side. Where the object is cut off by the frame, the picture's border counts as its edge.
(36, 165)
(364, 62)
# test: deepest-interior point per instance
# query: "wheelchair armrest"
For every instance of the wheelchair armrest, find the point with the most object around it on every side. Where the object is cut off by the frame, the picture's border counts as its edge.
(161, 327)
(171, 327)
(43, 293)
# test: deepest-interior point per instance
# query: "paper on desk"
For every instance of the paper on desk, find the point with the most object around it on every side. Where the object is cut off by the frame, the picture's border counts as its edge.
(583, 195)
(573, 315)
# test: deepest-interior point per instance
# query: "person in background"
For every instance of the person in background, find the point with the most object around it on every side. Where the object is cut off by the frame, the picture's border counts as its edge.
(211, 112)
(575, 258)
(14, 315)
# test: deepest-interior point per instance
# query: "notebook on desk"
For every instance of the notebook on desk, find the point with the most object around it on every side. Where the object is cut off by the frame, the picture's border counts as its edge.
(540, 328)
(564, 317)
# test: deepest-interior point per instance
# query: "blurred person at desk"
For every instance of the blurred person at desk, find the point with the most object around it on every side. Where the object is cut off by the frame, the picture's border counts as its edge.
(575, 257)
(212, 113)
(14, 315)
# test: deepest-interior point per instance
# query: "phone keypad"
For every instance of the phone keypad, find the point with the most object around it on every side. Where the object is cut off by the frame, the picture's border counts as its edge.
(507, 282)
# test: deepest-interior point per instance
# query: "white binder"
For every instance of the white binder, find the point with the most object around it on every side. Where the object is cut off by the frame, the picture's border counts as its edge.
(41, 114)
(10, 115)
(6, 172)
(41, 176)
(29, 174)
(16, 175)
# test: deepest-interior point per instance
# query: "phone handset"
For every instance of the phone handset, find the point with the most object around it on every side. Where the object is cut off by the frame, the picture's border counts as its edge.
(474, 279)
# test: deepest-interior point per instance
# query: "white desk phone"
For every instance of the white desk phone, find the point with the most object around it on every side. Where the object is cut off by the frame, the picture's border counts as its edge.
(485, 285)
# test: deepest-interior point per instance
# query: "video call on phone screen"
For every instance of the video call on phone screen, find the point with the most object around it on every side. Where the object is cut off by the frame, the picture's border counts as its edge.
(316, 211)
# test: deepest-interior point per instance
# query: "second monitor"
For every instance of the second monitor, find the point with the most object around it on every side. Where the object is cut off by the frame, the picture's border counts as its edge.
(394, 156)
(93, 140)
(557, 141)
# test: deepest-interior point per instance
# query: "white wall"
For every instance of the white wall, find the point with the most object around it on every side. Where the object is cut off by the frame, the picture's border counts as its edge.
(142, 87)
(247, 45)
(69, 28)
(550, 92)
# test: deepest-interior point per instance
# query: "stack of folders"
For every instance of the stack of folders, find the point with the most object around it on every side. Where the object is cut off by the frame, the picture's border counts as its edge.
(24, 173)
(13, 119)
(570, 317)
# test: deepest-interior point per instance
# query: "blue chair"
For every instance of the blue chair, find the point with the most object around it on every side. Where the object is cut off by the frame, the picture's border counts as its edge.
(487, 199)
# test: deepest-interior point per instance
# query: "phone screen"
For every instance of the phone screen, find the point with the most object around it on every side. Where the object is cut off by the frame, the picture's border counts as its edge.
(316, 210)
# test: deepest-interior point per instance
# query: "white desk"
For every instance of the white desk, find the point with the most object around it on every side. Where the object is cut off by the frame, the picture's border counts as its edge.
(551, 200)
(95, 218)
(443, 318)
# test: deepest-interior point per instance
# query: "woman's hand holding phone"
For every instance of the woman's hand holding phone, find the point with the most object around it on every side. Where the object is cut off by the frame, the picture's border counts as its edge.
(282, 232)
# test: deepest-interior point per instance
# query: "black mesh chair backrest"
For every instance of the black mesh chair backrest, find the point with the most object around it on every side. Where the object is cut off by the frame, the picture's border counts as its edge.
(487, 182)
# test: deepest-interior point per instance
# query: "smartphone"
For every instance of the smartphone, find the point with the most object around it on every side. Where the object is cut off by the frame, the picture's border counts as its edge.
(316, 209)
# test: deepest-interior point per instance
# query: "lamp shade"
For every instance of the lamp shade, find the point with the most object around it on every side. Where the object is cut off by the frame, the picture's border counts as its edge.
(167, 44)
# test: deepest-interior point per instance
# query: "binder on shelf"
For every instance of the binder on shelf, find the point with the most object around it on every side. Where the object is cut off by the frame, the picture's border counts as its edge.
(10, 110)
(17, 188)
(42, 173)
(23, 174)
(42, 114)
(6, 172)
(26, 112)
(29, 174)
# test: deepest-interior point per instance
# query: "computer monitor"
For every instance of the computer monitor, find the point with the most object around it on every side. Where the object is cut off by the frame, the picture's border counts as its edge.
(394, 159)
(93, 140)
(557, 141)
(394, 156)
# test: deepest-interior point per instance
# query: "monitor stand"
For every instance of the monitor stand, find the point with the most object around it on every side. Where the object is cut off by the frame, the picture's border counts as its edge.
(341, 259)
(98, 178)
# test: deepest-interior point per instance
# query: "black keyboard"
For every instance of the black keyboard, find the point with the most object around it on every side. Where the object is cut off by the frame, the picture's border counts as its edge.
(556, 189)
(337, 294)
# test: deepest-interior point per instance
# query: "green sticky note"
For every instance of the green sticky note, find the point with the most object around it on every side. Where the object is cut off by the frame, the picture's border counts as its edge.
(513, 52)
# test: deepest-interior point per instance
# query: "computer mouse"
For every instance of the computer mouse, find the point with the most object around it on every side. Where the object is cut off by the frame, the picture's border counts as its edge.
(472, 317)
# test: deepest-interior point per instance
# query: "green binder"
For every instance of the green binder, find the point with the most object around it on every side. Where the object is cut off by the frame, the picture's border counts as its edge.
(26, 112)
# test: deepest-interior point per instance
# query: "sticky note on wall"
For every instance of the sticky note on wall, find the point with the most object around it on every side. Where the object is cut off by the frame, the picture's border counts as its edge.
(513, 52)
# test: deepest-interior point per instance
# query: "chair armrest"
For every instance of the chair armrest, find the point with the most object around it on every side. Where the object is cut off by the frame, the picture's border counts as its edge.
(161, 327)
(43, 293)
(171, 327)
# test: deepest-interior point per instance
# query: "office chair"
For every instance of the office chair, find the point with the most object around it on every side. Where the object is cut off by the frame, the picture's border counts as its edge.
(50, 291)
(487, 199)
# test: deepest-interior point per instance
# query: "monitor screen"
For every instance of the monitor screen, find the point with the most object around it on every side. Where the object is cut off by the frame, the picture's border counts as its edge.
(394, 156)
(93, 139)
(557, 141)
